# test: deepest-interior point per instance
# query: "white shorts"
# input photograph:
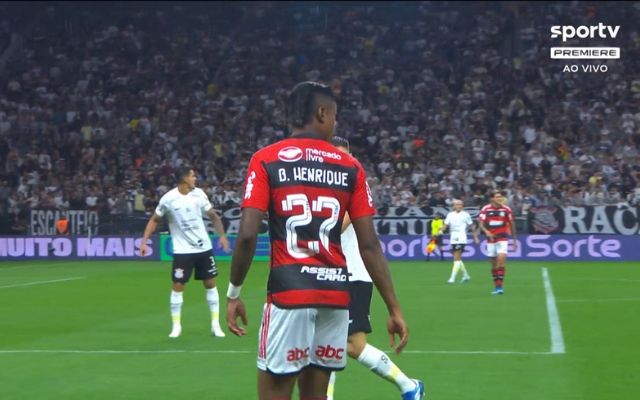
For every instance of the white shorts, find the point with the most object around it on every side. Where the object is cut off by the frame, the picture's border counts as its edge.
(493, 249)
(291, 339)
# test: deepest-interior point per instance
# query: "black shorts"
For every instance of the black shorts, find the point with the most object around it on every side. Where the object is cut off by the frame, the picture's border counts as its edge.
(183, 265)
(457, 247)
(359, 307)
(438, 239)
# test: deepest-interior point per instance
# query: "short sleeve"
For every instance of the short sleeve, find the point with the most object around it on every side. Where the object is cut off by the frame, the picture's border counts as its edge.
(205, 204)
(483, 215)
(468, 220)
(510, 215)
(447, 220)
(161, 209)
(256, 191)
(361, 202)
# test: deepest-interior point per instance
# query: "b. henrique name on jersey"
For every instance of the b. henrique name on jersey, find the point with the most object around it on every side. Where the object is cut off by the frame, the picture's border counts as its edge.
(313, 175)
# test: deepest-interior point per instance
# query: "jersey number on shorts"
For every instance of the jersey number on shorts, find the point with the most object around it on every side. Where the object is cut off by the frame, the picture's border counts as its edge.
(305, 218)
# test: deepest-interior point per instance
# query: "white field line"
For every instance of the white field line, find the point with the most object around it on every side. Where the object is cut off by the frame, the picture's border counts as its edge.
(555, 329)
(604, 279)
(152, 352)
(34, 265)
(75, 278)
(598, 300)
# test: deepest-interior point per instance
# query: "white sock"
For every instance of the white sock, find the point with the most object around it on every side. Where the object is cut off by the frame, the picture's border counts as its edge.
(213, 299)
(332, 385)
(176, 307)
(464, 270)
(381, 365)
(454, 271)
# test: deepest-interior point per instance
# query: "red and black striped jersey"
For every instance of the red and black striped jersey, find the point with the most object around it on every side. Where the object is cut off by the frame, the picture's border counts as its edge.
(497, 220)
(307, 185)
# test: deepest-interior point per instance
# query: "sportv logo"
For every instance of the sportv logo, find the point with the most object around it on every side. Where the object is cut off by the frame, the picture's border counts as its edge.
(569, 32)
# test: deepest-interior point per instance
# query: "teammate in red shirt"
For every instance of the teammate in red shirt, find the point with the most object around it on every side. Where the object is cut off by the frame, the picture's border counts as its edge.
(306, 185)
(496, 221)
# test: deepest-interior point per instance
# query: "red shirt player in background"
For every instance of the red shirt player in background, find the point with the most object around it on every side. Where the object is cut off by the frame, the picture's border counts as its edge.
(306, 185)
(496, 221)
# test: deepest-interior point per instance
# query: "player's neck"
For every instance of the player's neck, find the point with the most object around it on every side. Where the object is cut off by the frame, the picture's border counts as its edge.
(184, 188)
(307, 133)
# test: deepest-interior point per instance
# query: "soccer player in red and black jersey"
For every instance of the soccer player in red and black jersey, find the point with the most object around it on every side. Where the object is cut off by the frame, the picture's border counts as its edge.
(306, 185)
(496, 221)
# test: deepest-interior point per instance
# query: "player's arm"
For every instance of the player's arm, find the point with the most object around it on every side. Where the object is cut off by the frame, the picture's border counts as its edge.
(223, 242)
(151, 227)
(484, 229)
(474, 232)
(346, 221)
(513, 231)
(243, 251)
(376, 265)
(443, 229)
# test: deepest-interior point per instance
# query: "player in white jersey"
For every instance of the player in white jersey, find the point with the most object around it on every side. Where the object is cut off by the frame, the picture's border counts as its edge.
(457, 222)
(184, 206)
(360, 289)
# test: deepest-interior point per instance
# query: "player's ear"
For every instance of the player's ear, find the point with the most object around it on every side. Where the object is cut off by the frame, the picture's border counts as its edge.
(321, 114)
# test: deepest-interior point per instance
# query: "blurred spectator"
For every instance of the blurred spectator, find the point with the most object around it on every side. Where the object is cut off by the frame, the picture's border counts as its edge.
(106, 101)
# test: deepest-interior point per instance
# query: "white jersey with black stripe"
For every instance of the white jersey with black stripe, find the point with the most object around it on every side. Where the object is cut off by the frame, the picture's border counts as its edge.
(355, 265)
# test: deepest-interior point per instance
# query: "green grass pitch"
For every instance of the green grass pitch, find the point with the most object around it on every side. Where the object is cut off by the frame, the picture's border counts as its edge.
(98, 330)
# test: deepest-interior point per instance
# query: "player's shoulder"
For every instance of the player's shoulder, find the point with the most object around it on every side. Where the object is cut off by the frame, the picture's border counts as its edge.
(506, 207)
(169, 195)
(273, 150)
(486, 207)
(198, 192)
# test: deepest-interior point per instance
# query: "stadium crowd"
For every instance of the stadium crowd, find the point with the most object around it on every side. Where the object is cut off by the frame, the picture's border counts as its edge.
(439, 101)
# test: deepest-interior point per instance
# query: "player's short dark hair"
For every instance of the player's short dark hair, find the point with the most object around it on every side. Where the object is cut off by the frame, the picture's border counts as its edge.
(303, 101)
(181, 172)
(340, 141)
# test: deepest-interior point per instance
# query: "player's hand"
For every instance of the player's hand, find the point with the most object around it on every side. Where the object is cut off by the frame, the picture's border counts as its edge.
(143, 248)
(235, 309)
(223, 243)
(396, 325)
(490, 235)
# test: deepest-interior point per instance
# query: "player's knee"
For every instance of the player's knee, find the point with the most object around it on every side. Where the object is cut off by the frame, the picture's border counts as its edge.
(355, 347)
(178, 287)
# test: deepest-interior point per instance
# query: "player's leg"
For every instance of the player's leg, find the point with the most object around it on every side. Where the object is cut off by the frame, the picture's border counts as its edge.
(275, 387)
(285, 340)
(328, 352)
(180, 274)
(492, 251)
(313, 383)
(206, 271)
(439, 241)
(380, 364)
(501, 260)
(465, 275)
(369, 356)
(457, 256)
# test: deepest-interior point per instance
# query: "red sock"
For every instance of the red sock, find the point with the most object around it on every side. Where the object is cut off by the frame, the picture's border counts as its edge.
(499, 276)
